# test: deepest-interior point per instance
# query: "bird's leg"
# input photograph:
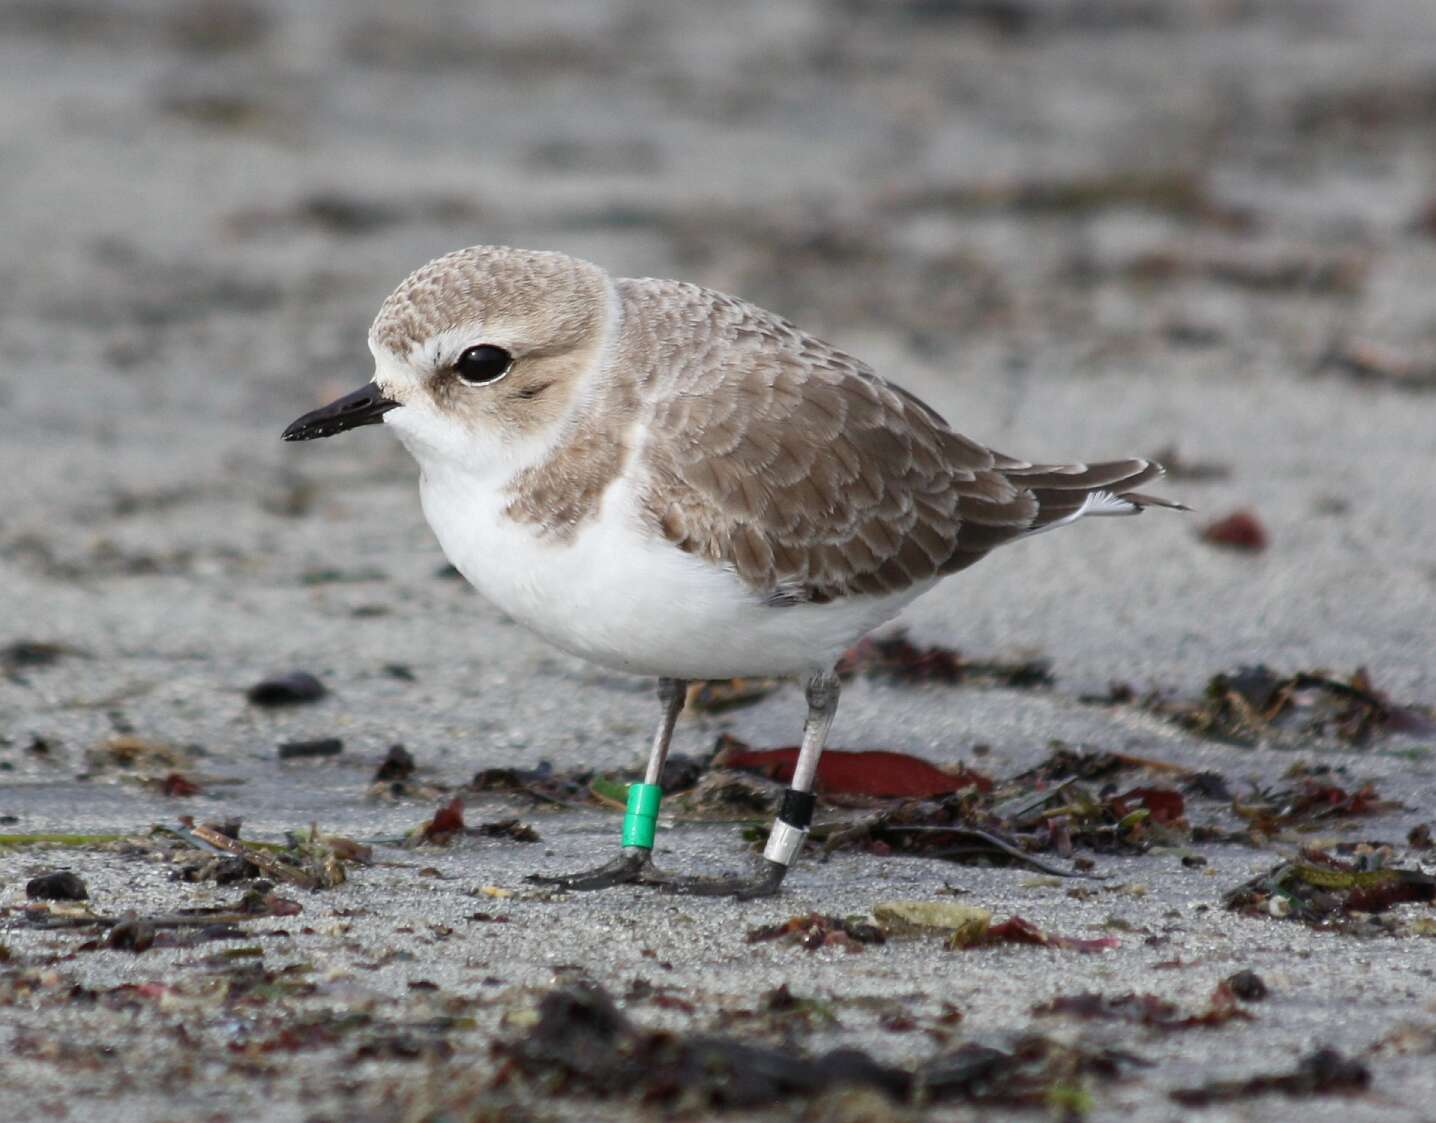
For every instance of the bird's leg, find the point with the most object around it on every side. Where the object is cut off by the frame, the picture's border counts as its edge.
(794, 814)
(635, 861)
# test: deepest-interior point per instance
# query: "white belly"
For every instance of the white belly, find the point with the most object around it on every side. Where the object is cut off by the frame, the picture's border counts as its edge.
(632, 602)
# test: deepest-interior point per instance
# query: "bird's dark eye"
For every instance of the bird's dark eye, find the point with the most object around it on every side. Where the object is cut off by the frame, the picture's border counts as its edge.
(482, 364)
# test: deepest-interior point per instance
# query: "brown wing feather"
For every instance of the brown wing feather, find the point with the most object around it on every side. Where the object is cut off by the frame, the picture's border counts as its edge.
(776, 454)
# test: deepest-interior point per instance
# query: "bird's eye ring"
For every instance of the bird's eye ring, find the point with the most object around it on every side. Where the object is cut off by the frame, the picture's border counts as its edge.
(480, 365)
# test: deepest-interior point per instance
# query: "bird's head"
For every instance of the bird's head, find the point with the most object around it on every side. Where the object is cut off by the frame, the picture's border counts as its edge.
(478, 355)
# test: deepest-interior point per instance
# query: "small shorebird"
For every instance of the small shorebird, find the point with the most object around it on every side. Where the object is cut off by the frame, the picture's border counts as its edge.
(673, 482)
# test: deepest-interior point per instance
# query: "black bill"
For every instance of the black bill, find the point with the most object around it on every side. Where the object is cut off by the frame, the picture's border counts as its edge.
(366, 406)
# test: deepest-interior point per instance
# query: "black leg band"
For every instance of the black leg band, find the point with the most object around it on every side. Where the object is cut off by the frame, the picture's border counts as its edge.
(797, 808)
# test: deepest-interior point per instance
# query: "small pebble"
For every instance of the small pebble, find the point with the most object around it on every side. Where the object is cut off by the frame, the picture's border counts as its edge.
(1248, 986)
(287, 690)
(132, 935)
(325, 746)
(397, 765)
(61, 885)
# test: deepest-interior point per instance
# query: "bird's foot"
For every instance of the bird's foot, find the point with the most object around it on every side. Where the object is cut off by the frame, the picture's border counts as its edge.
(635, 867)
(764, 882)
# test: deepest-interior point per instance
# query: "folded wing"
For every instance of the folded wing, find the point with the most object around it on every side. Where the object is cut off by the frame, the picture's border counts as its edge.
(776, 454)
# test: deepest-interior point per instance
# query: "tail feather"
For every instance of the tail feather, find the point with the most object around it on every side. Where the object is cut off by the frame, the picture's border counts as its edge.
(1064, 493)
(1067, 493)
(1144, 501)
(1115, 475)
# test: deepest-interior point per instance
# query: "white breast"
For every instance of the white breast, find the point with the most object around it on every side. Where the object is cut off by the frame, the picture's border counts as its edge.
(629, 600)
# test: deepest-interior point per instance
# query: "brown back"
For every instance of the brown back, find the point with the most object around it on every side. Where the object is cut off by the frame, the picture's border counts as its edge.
(775, 453)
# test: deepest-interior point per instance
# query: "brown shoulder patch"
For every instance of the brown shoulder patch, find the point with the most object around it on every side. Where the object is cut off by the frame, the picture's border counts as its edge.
(563, 492)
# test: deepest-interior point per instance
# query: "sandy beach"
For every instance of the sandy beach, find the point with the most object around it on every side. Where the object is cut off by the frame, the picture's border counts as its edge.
(1198, 229)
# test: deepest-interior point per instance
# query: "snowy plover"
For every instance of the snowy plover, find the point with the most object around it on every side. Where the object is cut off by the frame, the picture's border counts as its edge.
(670, 481)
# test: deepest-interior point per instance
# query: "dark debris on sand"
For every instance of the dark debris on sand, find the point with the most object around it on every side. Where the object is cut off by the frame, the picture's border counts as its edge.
(895, 657)
(291, 689)
(816, 930)
(1323, 890)
(448, 825)
(582, 1046)
(1048, 818)
(1147, 1010)
(316, 749)
(23, 655)
(62, 885)
(397, 766)
(1325, 1072)
(1256, 705)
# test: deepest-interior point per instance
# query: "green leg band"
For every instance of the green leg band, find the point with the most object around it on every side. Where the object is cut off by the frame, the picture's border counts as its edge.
(641, 820)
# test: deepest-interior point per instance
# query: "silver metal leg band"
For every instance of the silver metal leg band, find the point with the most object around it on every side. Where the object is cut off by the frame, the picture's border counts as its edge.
(784, 843)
